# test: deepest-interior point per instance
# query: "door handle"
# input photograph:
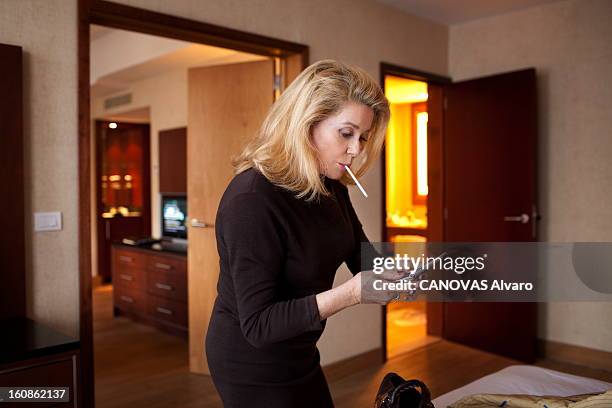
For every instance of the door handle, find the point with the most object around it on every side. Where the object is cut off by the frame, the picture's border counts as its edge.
(523, 218)
(200, 224)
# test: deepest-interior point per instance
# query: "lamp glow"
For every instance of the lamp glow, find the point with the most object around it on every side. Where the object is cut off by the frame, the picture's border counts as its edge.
(422, 188)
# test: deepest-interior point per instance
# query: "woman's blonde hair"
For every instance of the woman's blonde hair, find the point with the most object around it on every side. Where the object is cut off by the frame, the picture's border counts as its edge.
(283, 150)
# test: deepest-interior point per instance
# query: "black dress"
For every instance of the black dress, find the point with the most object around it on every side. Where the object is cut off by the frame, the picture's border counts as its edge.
(276, 253)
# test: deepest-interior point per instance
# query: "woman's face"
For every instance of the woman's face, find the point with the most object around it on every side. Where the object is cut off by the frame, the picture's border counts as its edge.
(340, 137)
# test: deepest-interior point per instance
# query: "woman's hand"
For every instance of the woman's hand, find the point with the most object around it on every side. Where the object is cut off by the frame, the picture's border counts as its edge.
(362, 286)
(351, 292)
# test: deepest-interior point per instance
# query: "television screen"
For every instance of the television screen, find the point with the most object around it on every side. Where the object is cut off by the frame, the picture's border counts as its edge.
(174, 216)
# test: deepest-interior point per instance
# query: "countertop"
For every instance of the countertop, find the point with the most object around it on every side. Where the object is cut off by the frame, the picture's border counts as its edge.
(163, 247)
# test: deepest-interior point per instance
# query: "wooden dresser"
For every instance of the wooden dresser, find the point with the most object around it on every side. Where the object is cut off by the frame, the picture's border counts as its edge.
(150, 286)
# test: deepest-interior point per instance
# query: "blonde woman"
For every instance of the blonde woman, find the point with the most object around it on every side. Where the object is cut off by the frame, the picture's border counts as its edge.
(284, 226)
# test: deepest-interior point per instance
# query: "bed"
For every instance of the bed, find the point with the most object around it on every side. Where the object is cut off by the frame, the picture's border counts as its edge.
(524, 379)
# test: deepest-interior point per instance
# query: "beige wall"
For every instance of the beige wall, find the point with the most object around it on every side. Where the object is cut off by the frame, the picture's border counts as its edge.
(569, 44)
(47, 33)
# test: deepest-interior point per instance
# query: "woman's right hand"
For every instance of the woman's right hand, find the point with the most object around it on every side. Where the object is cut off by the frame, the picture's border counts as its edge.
(362, 286)
(352, 292)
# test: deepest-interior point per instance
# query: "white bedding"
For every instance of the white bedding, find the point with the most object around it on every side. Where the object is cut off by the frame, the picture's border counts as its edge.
(524, 379)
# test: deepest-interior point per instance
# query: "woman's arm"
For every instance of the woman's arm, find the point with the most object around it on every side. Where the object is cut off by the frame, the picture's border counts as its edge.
(334, 300)
(350, 293)
(253, 246)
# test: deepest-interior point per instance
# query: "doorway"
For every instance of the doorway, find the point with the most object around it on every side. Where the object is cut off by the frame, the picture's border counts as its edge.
(288, 59)
(475, 131)
(412, 162)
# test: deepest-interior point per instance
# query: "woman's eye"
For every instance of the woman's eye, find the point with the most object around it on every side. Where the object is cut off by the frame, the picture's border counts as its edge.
(363, 139)
(347, 135)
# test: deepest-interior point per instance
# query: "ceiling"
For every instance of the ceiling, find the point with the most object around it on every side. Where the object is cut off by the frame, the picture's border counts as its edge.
(196, 55)
(96, 31)
(163, 55)
(451, 12)
(139, 115)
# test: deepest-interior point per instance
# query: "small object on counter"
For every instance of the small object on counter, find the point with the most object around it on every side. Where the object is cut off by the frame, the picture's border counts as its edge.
(139, 241)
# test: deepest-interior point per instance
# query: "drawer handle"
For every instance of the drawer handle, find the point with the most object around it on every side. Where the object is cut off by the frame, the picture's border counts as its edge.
(127, 259)
(163, 286)
(164, 311)
(126, 277)
(127, 299)
(163, 266)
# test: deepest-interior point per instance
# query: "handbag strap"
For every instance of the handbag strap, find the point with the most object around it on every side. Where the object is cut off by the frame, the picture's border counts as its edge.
(413, 384)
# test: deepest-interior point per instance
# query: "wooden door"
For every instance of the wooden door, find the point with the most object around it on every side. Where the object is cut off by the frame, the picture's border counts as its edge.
(173, 160)
(435, 184)
(12, 208)
(227, 104)
(490, 174)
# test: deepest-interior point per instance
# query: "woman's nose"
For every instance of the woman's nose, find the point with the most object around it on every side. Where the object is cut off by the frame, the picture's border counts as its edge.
(354, 147)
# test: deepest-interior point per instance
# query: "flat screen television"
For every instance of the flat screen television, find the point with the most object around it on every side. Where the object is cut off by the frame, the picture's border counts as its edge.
(174, 216)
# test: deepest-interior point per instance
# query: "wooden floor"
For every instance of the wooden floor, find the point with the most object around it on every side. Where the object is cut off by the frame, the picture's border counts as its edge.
(407, 327)
(137, 366)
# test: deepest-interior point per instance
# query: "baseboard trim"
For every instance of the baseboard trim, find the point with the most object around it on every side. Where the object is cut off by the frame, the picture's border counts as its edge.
(351, 365)
(578, 355)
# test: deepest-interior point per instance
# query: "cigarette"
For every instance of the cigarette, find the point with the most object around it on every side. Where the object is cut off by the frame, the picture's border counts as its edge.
(356, 181)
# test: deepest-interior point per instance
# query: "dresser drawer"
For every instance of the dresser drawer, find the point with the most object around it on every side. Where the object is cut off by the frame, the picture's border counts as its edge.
(129, 258)
(167, 264)
(169, 285)
(168, 311)
(129, 300)
(129, 278)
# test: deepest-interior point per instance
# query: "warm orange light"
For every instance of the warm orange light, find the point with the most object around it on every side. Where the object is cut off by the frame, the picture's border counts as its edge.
(421, 139)
(408, 238)
(278, 75)
(402, 211)
(401, 90)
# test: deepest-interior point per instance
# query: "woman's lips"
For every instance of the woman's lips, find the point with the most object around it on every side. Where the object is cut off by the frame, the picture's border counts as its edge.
(342, 166)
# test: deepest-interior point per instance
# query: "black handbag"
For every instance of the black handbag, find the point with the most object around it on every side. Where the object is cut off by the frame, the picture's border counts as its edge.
(395, 392)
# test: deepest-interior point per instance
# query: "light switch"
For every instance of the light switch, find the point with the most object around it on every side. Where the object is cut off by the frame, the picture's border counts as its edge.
(48, 221)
